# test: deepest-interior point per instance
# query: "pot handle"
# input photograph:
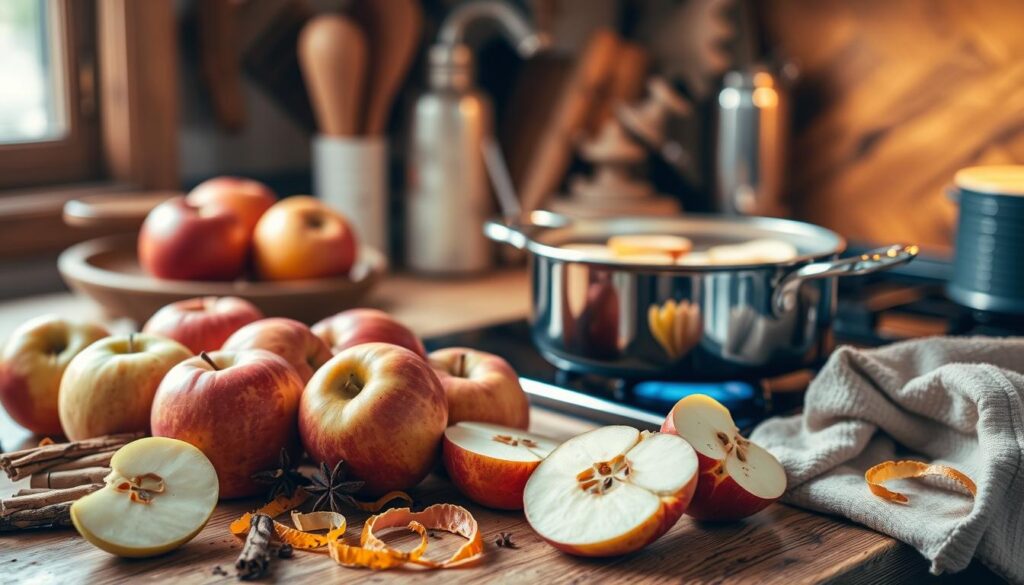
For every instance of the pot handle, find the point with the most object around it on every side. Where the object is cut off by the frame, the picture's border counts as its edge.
(506, 233)
(519, 234)
(785, 296)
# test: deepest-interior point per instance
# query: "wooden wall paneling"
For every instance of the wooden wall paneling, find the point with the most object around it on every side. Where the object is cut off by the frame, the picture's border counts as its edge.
(138, 91)
(894, 98)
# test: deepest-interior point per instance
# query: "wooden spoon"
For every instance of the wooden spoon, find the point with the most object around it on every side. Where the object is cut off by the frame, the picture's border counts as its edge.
(333, 56)
(393, 28)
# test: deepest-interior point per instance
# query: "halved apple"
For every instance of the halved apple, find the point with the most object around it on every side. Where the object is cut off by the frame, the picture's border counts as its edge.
(737, 478)
(159, 494)
(610, 491)
(491, 463)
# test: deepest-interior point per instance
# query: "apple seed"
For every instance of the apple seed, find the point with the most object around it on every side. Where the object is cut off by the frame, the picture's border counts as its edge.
(142, 488)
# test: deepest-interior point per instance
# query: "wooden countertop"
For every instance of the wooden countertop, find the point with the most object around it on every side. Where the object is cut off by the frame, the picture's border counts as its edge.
(780, 545)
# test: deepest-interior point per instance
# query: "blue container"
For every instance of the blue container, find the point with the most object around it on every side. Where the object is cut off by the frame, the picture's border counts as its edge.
(988, 269)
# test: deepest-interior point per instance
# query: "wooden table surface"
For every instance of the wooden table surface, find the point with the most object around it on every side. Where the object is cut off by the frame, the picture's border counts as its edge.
(780, 545)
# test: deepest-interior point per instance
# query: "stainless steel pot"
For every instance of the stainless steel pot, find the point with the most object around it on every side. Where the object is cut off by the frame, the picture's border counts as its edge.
(673, 321)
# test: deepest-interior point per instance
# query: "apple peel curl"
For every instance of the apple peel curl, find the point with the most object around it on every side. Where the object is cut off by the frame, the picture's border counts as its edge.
(890, 470)
(372, 552)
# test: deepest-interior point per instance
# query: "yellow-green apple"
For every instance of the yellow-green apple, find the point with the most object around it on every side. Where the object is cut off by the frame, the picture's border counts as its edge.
(737, 478)
(481, 387)
(355, 326)
(287, 338)
(180, 241)
(32, 363)
(379, 408)
(238, 408)
(490, 464)
(159, 494)
(610, 491)
(248, 199)
(300, 237)
(202, 323)
(108, 388)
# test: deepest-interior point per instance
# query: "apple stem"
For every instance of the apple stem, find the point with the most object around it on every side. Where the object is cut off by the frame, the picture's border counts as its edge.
(350, 384)
(460, 365)
(206, 358)
(131, 343)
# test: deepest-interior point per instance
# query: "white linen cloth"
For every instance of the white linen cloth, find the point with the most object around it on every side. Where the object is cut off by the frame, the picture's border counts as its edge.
(954, 401)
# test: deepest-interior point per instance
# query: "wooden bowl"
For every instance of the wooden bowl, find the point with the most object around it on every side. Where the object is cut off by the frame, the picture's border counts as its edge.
(107, 270)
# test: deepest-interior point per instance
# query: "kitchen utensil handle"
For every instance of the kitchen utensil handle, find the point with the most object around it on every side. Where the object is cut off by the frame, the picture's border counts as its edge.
(784, 299)
(519, 233)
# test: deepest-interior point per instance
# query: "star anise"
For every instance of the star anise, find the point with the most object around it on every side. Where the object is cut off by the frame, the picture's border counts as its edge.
(504, 540)
(283, 480)
(332, 489)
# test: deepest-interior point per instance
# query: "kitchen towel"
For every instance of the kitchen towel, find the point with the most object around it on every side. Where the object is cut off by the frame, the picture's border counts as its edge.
(954, 401)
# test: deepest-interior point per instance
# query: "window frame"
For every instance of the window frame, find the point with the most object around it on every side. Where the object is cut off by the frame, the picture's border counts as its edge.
(136, 119)
(74, 156)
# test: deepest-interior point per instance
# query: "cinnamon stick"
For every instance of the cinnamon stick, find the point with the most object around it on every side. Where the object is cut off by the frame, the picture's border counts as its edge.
(30, 491)
(45, 498)
(254, 560)
(94, 460)
(68, 479)
(52, 516)
(21, 464)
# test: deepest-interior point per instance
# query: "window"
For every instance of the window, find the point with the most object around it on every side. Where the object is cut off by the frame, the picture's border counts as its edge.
(48, 127)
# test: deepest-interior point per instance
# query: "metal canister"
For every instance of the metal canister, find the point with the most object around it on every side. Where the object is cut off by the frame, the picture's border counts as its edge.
(751, 143)
(988, 267)
(449, 196)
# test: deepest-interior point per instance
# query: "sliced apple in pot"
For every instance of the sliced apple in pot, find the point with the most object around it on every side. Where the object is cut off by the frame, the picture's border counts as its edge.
(490, 464)
(610, 491)
(650, 245)
(737, 478)
(159, 494)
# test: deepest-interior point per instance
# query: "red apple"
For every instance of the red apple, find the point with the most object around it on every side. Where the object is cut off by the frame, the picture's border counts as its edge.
(202, 323)
(31, 366)
(109, 387)
(355, 326)
(181, 241)
(287, 338)
(379, 408)
(300, 237)
(491, 463)
(238, 408)
(481, 387)
(248, 199)
(737, 478)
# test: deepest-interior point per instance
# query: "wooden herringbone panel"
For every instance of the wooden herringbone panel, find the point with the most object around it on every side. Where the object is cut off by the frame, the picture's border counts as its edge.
(896, 95)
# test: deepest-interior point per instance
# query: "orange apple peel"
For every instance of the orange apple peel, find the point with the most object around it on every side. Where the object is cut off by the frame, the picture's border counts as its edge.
(446, 517)
(378, 504)
(890, 470)
(372, 552)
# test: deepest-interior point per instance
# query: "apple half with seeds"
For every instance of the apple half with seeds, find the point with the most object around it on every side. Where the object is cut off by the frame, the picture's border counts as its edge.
(490, 464)
(737, 478)
(610, 491)
(159, 494)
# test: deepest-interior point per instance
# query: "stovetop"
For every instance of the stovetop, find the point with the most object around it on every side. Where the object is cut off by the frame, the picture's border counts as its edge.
(886, 307)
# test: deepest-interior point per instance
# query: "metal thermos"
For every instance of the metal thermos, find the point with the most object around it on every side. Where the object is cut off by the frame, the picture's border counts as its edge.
(449, 195)
(751, 143)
